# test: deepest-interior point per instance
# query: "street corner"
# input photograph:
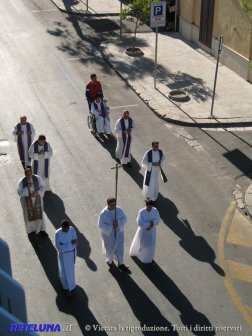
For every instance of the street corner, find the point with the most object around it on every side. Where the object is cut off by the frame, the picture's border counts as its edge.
(234, 251)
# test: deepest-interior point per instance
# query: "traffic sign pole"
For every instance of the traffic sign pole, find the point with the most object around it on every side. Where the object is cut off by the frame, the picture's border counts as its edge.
(155, 65)
(216, 72)
(157, 19)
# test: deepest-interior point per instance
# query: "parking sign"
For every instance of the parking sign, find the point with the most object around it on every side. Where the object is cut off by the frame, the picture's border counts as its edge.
(158, 14)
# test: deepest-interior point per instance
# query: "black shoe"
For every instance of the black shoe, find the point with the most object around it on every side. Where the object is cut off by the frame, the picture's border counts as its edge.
(68, 293)
(44, 234)
(118, 160)
(112, 264)
(129, 165)
(153, 263)
(125, 269)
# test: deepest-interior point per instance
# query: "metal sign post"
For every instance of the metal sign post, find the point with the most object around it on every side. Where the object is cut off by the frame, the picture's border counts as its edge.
(157, 19)
(120, 19)
(87, 5)
(216, 71)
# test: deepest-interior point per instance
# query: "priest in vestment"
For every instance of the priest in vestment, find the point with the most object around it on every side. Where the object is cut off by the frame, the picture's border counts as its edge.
(111, 222)
(101, 113)
(124, 128)
(31, 189)
(152, 162)
(41, 152)
(144, 242)
(66, 242)
(23, 134)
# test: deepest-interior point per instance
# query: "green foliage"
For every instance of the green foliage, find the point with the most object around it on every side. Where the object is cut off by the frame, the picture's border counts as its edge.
(246, 5)
(138, 12)
(139, 9)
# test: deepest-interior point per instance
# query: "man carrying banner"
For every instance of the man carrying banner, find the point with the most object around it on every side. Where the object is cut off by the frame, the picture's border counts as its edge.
(124, 129)
(152, 162)
(31, 189)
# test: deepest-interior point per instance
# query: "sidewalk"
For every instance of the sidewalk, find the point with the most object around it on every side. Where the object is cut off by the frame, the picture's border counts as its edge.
(89, 7)
(181, 65)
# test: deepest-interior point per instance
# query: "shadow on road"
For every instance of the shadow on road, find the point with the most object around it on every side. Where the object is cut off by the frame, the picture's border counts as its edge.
(77, 305)
(188, 315)
(142, 307)
(195, 245)
(55, 211)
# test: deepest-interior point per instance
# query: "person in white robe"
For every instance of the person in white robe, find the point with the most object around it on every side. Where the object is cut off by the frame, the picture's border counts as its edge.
(144, 243)
(111, 222)
(66, 242)
(41, 152)
(31, 189)
(152, 162)
(101, 113)
(23, 134)
(124, 128)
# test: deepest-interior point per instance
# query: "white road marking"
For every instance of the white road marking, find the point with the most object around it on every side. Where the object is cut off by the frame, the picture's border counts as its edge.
(230, 129)
(44, 10)
(123, 106)
(69, 78)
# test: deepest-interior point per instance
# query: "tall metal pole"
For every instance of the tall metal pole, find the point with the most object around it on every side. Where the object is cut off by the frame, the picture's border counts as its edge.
(116, 184)
(87, 5)
(216, 71)
(120, 19)
(155, 66)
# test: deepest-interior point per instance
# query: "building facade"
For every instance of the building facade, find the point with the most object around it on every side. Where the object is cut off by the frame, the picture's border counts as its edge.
(203, 21)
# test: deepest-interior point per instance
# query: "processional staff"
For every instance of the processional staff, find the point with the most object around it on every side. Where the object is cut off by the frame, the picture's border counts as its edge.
(116, 185)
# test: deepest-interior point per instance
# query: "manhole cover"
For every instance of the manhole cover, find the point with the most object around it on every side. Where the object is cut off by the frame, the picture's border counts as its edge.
(135, 52)
(179, 95)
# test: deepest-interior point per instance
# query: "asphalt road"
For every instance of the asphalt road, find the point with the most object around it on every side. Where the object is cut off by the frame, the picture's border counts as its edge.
(46, 60)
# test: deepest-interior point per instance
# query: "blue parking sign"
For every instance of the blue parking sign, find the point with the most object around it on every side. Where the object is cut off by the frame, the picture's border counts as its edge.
(158, 14)
(158, 10)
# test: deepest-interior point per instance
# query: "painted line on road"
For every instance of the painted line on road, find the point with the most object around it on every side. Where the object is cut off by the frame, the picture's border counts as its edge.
(240, 232)
(68, 77)
(240, 271)
(44, 10)
(221, 257)
(123, 106)
(80, 58)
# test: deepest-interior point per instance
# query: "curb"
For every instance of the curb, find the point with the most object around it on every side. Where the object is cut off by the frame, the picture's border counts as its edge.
(105, 54)
(75, 12)
(214, 124)
(248, 200)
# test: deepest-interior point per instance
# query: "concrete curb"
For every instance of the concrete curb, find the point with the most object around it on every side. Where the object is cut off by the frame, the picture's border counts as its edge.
(213, 124)
(248, 200)
(83, 13)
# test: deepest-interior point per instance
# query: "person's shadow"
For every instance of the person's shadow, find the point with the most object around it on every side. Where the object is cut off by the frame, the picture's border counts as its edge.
(77, 305)
(143, 308)
(195, 245)
(55, 211)
(134, 171)
(188, 315)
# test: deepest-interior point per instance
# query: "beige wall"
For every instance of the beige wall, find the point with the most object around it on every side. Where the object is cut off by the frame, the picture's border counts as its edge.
(190, 11)
(230, 20)
(186, 10)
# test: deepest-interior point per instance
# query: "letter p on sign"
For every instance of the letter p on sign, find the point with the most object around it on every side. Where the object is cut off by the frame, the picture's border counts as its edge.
(158, 10)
